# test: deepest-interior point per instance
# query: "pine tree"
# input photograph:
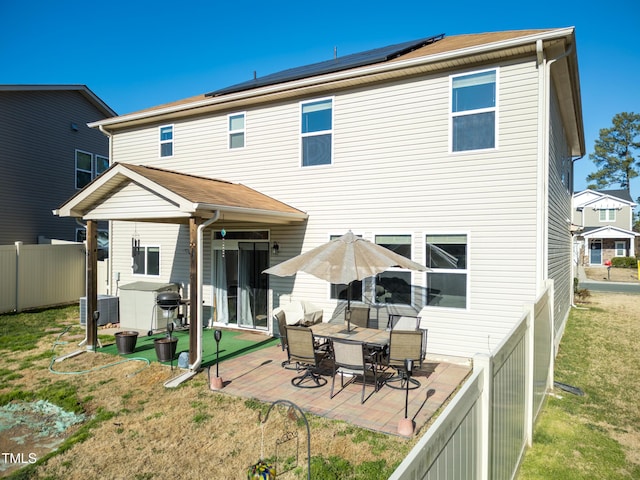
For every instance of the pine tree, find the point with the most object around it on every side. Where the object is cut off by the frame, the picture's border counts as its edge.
(615, 153)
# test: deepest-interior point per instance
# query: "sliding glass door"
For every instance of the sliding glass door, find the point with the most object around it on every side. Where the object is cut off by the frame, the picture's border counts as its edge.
(240, 287)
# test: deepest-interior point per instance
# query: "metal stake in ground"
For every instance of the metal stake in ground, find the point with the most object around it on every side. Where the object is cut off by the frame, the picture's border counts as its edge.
(216, 382)
(405, 426)
(170, 330)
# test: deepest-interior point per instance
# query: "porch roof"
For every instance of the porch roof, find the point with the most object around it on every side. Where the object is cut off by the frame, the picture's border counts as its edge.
(608, 232)
(143, 193)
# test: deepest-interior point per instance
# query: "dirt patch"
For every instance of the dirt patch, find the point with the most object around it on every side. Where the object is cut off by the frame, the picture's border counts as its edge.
(615, 274)
(30, 430)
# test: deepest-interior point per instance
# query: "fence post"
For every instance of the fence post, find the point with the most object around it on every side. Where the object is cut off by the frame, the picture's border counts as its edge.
(483, 361)
(529, 373)
(17, 299)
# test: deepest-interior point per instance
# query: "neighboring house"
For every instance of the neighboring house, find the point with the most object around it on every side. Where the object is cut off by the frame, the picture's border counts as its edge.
(464, 143)
(605, 218)
(47, 153)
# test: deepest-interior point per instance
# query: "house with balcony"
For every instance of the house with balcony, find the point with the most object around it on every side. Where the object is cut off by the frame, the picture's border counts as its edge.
(464, 143)
(605, 221)
(47, 154)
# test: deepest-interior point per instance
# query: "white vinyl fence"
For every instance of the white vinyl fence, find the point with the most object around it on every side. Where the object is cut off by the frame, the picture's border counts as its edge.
(34, 276)
(483, 433)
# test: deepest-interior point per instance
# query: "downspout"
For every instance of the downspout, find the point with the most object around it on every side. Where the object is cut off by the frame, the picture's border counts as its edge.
(543, 149)
(198, 362)
(110, 266)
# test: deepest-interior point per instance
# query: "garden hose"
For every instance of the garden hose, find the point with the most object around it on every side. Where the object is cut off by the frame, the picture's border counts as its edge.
(94, 369)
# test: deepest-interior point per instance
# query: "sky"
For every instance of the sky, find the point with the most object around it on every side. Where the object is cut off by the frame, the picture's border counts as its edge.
(137, 54)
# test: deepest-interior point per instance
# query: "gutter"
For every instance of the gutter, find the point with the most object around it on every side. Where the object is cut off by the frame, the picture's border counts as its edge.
(196, 365)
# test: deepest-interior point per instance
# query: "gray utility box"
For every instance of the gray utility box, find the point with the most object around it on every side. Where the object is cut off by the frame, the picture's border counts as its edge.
(138, 310)
(107, 306)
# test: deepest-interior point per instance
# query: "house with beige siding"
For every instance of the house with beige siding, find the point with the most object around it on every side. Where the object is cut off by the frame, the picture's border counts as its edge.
(47, 153)
(465, 143)
(605, 221)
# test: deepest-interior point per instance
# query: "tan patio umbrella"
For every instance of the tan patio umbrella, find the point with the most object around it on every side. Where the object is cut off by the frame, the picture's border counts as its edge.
(344, 260)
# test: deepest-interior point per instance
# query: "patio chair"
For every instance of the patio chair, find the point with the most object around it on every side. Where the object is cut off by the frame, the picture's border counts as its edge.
(352, 358)
(403, 322)
(304, 354)
(282, 333)
(404, 345)
(359, 316)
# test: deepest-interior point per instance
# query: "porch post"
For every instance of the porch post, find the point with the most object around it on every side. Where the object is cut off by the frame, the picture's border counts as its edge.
(193, 291)
(92, 284)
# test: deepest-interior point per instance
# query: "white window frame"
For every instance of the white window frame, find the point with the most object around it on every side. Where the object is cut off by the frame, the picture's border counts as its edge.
(330, 286)
(93, 173)
(466, 271)
(146, 262)
(164, 142)
(620, 246)
(242, 130)
(96, 158)
(316, 133)
(90, 172)
(397, 269)
(494, 109)
(609, 215)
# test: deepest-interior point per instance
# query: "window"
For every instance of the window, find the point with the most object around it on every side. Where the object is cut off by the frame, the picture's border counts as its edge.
(102, 163)
(103, 241)
(473, 111)
(166, 141)
(236, 130)
(607, 214)
(316, 131)
(394, 285)
(146, 261)
(84, 168)
(340, 291)
(621, 249)
(446, 255)
(88, 167)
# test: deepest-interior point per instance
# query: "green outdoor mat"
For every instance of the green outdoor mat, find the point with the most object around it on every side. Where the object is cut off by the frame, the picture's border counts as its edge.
(232, 344)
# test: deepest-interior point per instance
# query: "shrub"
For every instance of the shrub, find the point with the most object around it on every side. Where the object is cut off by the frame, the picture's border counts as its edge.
(625, 262)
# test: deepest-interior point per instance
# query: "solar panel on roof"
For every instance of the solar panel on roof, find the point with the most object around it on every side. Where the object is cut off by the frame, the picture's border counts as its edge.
(360, 59)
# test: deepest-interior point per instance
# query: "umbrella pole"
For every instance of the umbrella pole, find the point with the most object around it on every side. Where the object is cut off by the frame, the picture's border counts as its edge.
(349, 307)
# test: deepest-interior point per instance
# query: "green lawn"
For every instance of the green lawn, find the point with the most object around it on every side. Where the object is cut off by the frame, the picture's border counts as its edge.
(595, 436)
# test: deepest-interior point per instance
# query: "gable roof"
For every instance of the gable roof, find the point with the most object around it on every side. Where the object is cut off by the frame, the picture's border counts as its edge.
(157, 195)
(608, 232)
(621, 194)
(598, 196)
(82, 89)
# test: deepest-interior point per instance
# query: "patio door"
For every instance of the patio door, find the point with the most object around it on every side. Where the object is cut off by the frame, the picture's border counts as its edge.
(595, 252)
(240, 287)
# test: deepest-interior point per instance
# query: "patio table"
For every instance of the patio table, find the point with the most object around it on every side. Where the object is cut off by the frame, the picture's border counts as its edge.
(369, 336)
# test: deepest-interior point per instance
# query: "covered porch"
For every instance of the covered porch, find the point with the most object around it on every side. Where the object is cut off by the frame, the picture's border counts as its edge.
(135, 193)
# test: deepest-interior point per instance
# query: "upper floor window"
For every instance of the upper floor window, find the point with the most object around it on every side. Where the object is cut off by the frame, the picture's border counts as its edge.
(607, 214)
(236, 130)
(84, 168)
(316, 132)
(88, 167)
(394, 285)
(473, 111)
(446, 255)
(166, 141)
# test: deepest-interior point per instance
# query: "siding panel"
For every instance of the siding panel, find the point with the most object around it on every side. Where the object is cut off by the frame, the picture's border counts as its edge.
(392, 173)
